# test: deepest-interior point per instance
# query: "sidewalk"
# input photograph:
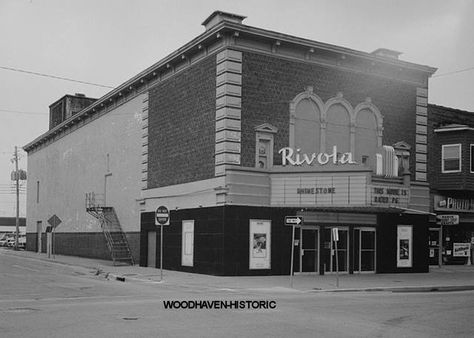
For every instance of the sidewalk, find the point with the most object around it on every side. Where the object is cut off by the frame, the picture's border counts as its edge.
(446, 278)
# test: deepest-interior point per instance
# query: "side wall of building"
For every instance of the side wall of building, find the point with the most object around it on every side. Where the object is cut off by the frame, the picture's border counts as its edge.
(103, 156)
(181, 129)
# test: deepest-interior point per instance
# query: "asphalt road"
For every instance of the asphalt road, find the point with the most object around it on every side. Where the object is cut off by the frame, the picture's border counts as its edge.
(45, 299)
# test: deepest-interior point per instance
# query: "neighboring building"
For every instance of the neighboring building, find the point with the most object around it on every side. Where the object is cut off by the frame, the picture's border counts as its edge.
(232, 132)
(451, 177)
(8, 225)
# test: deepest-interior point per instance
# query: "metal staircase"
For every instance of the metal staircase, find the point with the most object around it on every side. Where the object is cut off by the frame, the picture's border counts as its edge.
(115, 237)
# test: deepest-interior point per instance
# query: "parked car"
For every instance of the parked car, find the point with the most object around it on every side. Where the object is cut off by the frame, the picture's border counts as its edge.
(4, 239)
(9, 241)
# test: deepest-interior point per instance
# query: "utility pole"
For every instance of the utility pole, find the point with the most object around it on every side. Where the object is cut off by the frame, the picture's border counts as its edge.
(17, 181)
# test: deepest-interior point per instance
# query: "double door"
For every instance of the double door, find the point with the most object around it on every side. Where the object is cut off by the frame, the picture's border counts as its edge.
(315, 246)
(310, 250)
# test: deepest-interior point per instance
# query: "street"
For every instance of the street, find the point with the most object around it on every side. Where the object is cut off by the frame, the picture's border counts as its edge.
(47, 299)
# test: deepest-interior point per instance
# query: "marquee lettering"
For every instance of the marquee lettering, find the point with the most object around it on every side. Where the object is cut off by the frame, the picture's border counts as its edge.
(288, 156)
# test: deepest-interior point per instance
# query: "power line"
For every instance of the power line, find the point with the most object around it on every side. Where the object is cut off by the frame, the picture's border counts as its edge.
(22, 112)
(453, 72)
(54, 77)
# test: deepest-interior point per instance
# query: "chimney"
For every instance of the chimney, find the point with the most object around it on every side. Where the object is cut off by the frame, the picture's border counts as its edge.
(66, 107)
(219, 16)
(386, 53)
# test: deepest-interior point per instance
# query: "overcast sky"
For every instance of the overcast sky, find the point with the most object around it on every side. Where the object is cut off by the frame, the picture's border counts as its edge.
(108, 41)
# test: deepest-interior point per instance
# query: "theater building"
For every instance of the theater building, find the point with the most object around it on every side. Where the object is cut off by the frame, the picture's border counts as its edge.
(451, 173)
(233, 132)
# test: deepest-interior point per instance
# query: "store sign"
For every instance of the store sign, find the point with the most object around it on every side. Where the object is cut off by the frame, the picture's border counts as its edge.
(389, 196)
(447, 219)
(319, 190)
(450, 203)
(291, 157)
(461, 249)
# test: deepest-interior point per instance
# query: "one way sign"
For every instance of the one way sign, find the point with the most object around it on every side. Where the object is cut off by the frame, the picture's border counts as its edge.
(293, 220)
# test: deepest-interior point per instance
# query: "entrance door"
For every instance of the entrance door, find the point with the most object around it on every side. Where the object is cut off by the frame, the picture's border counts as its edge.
(364, 250)
(151, 261)
(39, 231)
(309, 260)
(434, 241)
(342, 250)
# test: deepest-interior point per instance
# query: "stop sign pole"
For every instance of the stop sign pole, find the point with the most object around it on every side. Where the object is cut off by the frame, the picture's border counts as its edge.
(162, 217)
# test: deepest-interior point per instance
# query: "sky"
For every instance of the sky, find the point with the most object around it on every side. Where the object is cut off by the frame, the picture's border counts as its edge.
(106, 42)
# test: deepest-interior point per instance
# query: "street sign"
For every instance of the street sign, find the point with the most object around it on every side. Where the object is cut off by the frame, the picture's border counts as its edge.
(54, 221)
(162, 216)
(293, 220)
(335, 234)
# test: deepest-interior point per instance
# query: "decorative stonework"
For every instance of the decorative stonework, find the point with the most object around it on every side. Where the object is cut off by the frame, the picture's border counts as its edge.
(144, 184)
(421, 134)
(228, 109)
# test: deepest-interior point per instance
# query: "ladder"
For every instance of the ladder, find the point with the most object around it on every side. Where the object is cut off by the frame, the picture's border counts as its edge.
(115, 238)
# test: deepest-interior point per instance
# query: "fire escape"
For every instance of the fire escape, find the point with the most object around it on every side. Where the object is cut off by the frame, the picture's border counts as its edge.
(115, 237)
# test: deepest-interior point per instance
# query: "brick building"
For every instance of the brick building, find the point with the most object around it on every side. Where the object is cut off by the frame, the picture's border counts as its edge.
(232, 132)
(451, 176)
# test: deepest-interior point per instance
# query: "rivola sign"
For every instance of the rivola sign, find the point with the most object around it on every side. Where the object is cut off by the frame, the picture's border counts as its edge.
(292, 157)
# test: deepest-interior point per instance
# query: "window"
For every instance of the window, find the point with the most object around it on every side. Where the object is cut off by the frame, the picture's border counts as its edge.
(264, 146)
(472, 158)
(37, 191)
(451, 158)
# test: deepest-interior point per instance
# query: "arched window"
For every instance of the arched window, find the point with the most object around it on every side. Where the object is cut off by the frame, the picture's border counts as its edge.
(305, 122)
(368, 133)
(317, 127)
(338, 127)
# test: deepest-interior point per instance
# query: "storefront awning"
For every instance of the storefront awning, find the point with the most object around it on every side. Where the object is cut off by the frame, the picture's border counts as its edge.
(369, 210)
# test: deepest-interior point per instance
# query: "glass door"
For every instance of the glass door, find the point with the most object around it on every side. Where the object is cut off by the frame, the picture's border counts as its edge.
(309, 259)
(364, 248)
(342, 250)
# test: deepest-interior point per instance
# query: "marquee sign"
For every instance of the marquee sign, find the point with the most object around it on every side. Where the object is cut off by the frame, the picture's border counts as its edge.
(319, 190)
(389, 196)
(292, 157)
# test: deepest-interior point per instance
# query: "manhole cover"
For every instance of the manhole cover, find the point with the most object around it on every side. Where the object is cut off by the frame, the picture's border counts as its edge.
(130, 318)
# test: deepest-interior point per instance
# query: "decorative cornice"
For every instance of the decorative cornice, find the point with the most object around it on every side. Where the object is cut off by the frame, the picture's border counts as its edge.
(183, 57)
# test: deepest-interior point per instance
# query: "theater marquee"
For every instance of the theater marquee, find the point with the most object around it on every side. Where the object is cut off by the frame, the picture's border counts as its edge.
(321, 190)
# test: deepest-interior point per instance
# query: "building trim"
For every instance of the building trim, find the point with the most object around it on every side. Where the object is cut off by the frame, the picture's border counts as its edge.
(223, 34)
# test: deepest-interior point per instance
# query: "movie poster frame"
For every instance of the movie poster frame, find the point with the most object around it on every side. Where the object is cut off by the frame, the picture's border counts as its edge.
(404, 246)
(259, 259)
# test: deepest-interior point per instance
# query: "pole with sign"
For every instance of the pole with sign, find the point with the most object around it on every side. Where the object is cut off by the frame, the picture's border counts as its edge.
(335, 236)
(293, 221)
(54, 221)
(162, 217)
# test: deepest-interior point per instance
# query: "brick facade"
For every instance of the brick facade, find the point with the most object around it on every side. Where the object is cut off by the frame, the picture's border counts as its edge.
(181, 136)
(270, 83)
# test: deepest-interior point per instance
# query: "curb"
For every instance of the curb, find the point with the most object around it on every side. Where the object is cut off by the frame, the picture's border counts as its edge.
(433, 288)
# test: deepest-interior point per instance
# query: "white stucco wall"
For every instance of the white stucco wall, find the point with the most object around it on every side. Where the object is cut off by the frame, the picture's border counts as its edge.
(76, 164)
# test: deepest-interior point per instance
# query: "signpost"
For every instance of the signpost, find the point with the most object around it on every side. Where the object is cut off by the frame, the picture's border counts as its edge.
(162, 217)
(293, 221)
(335, 237)
(54, 221)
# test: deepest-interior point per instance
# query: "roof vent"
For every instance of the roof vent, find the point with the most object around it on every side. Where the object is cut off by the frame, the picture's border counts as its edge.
(386, 53)
(219, 16)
